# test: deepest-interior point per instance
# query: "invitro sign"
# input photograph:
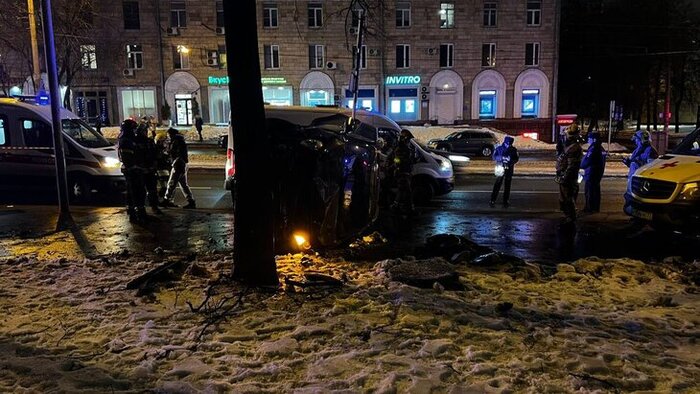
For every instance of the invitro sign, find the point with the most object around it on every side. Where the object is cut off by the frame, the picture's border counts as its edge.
(403, 80)
(218, 81)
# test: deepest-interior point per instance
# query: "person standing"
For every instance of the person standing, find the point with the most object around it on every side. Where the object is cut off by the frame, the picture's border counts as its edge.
(178, 172)
(505, 156)
(129, 155)
(643, 154)
(150, 161)
(402, 159)
(568, 166)
(198, 123)
(593, 164)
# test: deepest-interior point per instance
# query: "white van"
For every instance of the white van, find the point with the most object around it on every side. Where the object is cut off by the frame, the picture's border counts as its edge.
(26, 151)
(432, 175)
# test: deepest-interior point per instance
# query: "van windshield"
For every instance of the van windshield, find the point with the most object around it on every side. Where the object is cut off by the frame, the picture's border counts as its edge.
(690, 146)
(83, 134)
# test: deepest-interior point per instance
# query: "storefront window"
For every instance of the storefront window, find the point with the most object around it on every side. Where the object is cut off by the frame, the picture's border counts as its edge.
(366, 99)
(403, 104)
(487, 104)
(395, 106)
(277, 95)
(530, 103)
(219, 105)
(138, 103)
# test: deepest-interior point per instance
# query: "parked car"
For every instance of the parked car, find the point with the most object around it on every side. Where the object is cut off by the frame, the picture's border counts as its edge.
(26, 151)
(474, 141)
(326, 174)
(666, 192)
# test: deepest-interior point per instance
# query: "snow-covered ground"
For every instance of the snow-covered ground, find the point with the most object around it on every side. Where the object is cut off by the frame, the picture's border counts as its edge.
(210, 133)
(69, 325)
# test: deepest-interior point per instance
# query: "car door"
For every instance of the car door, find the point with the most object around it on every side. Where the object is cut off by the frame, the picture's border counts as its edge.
(38, 159)
(461, 143)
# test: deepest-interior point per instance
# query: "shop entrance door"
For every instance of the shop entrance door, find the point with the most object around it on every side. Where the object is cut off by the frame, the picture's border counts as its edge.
(183, 110)
(445, 108)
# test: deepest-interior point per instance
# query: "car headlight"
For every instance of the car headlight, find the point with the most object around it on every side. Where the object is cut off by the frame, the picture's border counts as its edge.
(109, 162)
(690, 192)
(445, 165)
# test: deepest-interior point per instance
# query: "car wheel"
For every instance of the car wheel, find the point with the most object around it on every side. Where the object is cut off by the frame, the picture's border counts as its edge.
(486, 151)
(423, 191)
(80, 190)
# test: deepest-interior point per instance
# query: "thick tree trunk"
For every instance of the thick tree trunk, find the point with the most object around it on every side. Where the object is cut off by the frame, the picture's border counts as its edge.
(254, 259)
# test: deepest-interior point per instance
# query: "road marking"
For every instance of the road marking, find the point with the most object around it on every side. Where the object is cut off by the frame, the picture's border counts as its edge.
(511, 192)
(200, 187)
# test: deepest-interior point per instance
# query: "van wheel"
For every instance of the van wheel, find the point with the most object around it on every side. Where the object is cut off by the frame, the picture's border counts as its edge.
(422, 191)
(486, 151)
(80, 190)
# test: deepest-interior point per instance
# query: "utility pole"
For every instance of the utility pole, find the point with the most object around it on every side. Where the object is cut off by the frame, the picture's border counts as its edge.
(64, 218)
(355, 78)
(36, 69)
(253, 207)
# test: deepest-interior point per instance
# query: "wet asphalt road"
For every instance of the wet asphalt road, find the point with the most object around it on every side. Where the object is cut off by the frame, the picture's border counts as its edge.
(528, 228)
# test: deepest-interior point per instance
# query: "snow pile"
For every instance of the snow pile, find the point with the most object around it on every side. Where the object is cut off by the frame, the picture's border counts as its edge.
(591, 326)
(209, 133)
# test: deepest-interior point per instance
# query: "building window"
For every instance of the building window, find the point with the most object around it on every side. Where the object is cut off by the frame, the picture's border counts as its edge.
(363, 56)
(88, 57)
(222, 56)
(487, 104)
(488, 55)
(447, 15)
(316, 56)
(315, 15)
(138, 103)
(403, 56)
(181, 58)
(490, 14)
(270, 13)
(403, 15)
(532, 54)
(530, 103)
(534, 12)
(134, 57)
(447, 53)
(178, 14)
(132, 20)
(355, 17)
(272, 57)
(220, 14)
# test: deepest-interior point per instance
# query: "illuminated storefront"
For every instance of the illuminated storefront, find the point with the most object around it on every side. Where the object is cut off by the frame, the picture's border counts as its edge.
(402, 97)
(275, 92)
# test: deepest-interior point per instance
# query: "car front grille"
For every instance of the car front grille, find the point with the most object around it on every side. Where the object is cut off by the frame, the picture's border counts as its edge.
(652, 188)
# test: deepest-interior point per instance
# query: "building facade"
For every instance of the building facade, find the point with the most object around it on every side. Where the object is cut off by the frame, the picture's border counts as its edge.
(442, 62)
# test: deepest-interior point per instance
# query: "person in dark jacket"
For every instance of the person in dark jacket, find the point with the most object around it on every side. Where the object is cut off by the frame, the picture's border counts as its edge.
(505, 156)
(402, 160)
(178, 173)
(198, 123)
(132, 162)
(593, 164)
(568, 166)
(147, 148)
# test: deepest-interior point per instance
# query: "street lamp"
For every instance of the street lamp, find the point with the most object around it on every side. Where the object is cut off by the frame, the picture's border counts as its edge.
(183, 49)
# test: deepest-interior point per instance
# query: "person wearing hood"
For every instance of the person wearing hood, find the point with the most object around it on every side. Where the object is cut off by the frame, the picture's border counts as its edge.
(132, 168)
(593, 164)
(643, 154)
(402, 160)
(178, 173)
(505, 156)
(568, 166)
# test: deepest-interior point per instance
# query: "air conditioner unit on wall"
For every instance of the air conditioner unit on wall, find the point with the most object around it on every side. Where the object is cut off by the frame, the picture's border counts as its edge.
(221, 31)
(353, 30)
(432, 51)
(212, 61)
(373, 52)
(128, 72)
(331, 65)
(173, 31)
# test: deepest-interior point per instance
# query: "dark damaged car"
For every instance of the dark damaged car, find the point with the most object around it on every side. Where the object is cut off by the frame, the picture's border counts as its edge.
(326, 175)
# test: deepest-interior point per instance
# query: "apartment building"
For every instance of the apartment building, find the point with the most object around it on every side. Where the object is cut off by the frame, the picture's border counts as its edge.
(443, 62)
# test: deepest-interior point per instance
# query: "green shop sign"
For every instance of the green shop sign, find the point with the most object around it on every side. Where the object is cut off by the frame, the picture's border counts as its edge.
(217, 81)
(403, 80)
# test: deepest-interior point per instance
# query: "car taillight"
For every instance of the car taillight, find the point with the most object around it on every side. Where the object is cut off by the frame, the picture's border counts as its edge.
(230, 163)
(229, 154)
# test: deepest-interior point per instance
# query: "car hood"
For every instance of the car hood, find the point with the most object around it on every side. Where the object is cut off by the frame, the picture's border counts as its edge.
(672, 168)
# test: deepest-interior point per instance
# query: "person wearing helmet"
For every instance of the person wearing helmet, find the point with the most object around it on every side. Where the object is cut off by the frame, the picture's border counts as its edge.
(128, 151)
(568, 166)
(593, 164)
(643, 154)
(506, 155)
(178, 173)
